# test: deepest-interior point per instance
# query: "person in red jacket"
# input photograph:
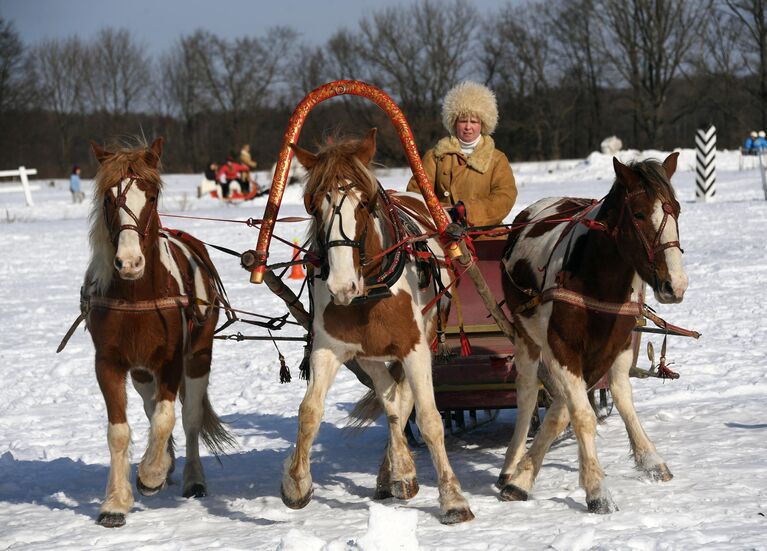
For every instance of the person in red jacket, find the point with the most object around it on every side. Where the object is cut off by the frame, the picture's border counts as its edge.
(228, 173)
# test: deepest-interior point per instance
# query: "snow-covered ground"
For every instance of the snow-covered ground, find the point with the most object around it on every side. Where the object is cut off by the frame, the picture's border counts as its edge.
(711, 425)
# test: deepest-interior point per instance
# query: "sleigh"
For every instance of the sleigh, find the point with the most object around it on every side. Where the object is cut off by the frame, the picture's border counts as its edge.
(476, 377)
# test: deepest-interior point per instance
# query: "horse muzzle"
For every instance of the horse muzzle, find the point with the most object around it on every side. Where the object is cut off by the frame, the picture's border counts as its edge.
(344, 293)
(130, 269)
(670, 291)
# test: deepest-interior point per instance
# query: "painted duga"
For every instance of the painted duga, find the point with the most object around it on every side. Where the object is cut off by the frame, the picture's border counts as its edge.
(629, 238)
(141, 294)
(351, 228)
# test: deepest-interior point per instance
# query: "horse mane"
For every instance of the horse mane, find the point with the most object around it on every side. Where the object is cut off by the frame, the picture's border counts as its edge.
(653, 178)
(337, 162)
(125, 160)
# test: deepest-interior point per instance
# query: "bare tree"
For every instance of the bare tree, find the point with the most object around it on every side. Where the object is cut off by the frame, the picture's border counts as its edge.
(752, 15)
(180, 89)
(647, 43)
(417, 54)
(574, 30)
(239, 76)
(118, 72)
(59, 71)
(16, 86)
(519, 62)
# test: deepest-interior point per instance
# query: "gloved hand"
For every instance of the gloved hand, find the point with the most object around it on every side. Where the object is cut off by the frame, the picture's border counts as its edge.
(458, 213)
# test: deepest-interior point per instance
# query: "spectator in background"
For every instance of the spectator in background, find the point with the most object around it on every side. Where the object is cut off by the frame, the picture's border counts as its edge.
(760, 145)
(750, 143)
(74, 185)
(245, 157)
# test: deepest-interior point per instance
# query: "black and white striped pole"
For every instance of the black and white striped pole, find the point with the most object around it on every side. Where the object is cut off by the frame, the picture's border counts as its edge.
(705, 164)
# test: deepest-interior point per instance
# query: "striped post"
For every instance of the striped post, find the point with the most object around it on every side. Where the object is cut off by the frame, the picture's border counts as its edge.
(705, 164)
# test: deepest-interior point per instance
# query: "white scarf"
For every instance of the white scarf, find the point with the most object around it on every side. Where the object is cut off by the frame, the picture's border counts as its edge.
(467, 148)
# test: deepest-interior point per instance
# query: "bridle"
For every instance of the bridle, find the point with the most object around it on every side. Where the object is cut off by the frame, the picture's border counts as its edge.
(656, 246)
(327, 243)
(121, 203)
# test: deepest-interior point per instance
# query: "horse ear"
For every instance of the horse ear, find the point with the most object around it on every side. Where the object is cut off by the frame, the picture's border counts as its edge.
(306, 158)
(367, 147)
(152, 156)
(669, 165)
(100, 153)
(625, 175)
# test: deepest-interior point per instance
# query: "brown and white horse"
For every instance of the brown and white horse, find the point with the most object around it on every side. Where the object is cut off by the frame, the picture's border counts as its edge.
(587, 276)
(140, 295)
(350, 230)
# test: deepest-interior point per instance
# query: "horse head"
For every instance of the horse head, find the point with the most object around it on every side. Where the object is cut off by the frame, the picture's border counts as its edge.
(127, 186)
(341, 194)
(646, 225)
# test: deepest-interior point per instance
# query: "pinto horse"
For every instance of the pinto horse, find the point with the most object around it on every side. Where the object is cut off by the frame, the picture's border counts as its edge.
(573, 284)
(353, 320)
(150, 297)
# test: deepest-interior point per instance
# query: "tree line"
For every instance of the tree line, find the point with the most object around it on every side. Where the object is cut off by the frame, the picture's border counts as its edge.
(567, 74)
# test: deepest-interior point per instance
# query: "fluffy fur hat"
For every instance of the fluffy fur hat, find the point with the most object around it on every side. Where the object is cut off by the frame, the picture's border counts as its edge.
(470, 98)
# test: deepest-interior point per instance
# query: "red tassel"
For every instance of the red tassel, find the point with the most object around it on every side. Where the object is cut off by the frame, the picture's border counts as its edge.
(465, 345)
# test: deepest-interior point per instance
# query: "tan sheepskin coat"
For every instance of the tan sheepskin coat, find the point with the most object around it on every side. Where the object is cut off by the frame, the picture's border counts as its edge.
(483, 181)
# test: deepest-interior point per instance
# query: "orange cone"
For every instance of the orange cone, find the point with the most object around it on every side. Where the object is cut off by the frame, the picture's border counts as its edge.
(296, 270)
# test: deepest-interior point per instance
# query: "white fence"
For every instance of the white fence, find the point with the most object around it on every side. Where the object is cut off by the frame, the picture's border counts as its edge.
(22, 173)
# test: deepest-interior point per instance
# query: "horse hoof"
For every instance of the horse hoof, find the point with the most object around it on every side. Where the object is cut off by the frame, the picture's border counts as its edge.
(510, 492)
(299, 503)
(503, 481)
(111, 520)
(456, 516)
(405, 489)
(146, 490)
(196, 490)
(382, 492)
(601, 506)
(660, 473)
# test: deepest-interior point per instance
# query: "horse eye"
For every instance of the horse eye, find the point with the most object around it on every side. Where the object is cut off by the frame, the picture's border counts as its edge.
(639, 216)
(152, 199)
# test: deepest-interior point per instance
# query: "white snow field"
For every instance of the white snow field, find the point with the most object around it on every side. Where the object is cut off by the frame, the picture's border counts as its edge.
(710, 425)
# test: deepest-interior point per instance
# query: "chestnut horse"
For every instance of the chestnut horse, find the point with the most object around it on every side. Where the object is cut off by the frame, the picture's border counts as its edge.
(147, 295)
(573, 290)
(351, 228)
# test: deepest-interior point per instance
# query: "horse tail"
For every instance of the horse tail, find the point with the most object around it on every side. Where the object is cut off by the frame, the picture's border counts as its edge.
(370, 408)
(213, 432)
(365, 412)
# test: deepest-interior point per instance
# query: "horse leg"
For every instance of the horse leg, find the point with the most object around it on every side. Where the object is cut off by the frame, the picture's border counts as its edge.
(453, 506)
(517, 487)
(584, 422)
(155, 465)
(143, 382)
(645, 455)
(119, 496)
(396, 477)
(296, 487)
(526, 358)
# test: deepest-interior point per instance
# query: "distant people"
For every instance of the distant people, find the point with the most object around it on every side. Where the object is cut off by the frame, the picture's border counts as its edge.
(231, 172)
(74, 185)
(245, 157)
(760, 145)
(749, 145)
